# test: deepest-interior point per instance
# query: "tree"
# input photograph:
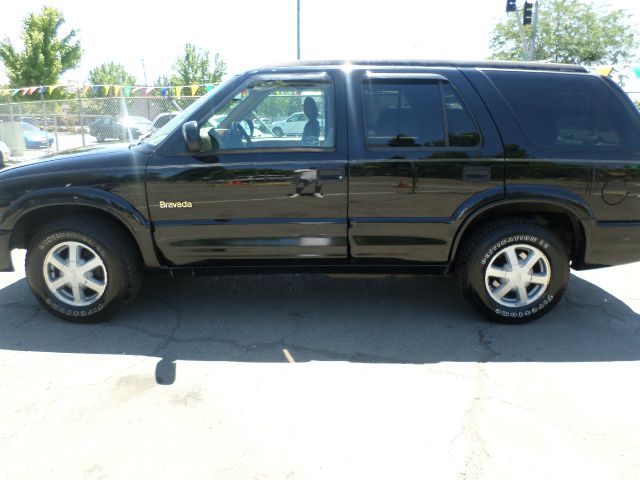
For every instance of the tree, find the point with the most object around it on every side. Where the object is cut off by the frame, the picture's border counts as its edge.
(111, 74)
(194, 67)
(46, 55)
(569, 32)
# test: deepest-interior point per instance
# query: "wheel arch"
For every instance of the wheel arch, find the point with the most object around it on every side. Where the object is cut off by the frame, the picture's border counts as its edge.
(29, 214)
(556, 216)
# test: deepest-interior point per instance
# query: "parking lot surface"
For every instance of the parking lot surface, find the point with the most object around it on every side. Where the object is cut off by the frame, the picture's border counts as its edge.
(311, 377)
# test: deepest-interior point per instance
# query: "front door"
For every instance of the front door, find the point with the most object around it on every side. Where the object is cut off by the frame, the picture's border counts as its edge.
(255, 194)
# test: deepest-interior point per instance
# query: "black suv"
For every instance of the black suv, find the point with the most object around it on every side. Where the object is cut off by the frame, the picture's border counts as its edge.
(504, 174)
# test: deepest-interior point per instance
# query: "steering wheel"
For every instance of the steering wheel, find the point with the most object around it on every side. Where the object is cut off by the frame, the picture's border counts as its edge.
(250, 125)
(239, 132)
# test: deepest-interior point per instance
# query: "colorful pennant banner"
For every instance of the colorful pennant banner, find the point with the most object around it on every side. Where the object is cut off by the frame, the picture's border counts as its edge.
(106, 90)
(604, 70)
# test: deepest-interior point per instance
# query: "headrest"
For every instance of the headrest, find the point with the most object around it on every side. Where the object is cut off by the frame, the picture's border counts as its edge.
(310, 108)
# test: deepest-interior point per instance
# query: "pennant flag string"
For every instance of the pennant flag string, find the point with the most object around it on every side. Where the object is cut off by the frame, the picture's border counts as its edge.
(116, 90)
(605, 70)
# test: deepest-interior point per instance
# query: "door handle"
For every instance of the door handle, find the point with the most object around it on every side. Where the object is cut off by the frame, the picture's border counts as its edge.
(476, 174)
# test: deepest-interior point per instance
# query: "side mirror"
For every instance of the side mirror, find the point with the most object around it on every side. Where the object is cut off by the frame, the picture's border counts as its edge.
(191, 135)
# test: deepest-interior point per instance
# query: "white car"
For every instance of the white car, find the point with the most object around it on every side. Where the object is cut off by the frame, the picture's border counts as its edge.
(294, 125)
(4, 154)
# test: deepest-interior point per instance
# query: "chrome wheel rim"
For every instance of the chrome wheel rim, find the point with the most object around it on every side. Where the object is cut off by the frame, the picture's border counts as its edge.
(517, 275)
(75, 274)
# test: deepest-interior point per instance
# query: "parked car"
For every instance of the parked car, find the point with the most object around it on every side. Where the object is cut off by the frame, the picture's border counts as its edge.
(123, 128)
(501, 174)
(34, 137)
(4, 154)
(293, 125)
(163, 118)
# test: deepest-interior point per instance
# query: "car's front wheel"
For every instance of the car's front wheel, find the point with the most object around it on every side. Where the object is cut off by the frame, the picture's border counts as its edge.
(83, 270)
(513, 271)
(278, 132)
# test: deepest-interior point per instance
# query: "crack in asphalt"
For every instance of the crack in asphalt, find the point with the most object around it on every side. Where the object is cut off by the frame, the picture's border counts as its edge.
(473, 463)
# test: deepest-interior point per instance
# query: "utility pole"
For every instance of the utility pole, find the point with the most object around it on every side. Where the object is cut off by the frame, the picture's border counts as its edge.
(298, 29)
(144, 73)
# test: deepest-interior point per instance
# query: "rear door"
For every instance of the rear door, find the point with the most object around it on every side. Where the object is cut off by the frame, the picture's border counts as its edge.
(423, 152)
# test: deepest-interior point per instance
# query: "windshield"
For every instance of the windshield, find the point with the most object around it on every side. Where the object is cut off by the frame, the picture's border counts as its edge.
(27, 126)
(162, 133)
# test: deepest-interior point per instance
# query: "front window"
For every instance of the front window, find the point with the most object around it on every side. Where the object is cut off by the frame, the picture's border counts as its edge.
(273, 114)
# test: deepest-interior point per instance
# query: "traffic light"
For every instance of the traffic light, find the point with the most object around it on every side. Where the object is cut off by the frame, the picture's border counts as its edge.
(527, 13)
(511, 6)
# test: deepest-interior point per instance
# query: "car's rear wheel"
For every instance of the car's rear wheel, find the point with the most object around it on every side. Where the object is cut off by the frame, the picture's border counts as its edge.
(83, 270)
(513, 271)
(278, 132)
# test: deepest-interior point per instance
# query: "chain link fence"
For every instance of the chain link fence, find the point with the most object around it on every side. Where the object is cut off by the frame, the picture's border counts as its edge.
(32, 129)
(36, 128)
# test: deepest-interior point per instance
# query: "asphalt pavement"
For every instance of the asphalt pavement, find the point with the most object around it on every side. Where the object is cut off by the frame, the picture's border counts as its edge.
(314, 377)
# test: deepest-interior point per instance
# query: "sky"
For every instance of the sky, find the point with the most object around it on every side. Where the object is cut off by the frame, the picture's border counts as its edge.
(252, 33)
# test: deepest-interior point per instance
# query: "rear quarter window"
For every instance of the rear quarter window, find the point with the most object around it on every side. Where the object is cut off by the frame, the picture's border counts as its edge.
(569, 112)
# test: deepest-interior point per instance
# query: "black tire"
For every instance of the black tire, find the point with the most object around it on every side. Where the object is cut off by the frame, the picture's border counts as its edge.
(490, 245)
(278, 132)
(121, 268)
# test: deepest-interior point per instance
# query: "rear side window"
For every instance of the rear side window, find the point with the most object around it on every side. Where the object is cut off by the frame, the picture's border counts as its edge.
(416, 113)
(566, 112)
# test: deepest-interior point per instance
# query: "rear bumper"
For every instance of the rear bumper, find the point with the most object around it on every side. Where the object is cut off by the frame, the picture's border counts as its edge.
(611, 243)
(5, 253)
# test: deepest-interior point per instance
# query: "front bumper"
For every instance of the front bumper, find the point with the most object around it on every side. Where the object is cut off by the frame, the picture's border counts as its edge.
(611, 243)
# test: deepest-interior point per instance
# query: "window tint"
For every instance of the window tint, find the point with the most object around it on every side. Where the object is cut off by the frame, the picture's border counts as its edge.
(569, 112)
(460, 126)
(273, 114)
(422, 113)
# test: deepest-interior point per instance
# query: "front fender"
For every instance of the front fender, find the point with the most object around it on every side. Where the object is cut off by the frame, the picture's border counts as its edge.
(116, 207)
(73, 196)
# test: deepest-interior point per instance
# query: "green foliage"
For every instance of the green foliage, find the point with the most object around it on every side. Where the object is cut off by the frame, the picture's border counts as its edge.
(111, 74)
(45, 55)
(569, 31)
(194, 67)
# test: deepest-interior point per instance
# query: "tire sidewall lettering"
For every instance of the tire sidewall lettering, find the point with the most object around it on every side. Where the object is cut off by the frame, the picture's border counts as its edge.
(71, 312)
(51, 240)
(520, 238)
(527, 311)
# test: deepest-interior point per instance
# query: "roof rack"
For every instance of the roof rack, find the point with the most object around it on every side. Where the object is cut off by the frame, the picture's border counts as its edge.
(560, 67)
